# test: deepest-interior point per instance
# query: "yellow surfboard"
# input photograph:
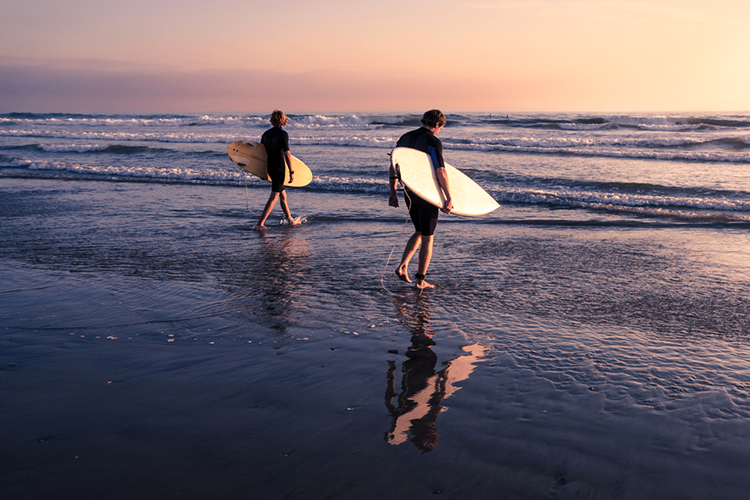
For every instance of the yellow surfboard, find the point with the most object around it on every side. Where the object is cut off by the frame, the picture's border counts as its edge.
(252, 157)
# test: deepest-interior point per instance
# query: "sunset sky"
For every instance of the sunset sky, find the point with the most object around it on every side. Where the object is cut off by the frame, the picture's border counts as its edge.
(386, 55)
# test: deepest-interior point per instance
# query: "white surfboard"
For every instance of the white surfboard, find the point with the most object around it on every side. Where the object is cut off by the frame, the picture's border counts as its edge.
(416, 172)
(252, 157)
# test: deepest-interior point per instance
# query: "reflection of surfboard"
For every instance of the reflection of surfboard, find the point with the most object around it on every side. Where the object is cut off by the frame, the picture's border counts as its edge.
(416, 172)
(252, 157)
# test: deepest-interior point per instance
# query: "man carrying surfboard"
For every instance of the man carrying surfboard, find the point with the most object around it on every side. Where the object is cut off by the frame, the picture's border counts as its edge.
(423, 215)
(276, 142)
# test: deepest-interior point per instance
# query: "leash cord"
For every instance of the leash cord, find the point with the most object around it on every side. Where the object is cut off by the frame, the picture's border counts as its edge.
(247, 199)
(388, 261)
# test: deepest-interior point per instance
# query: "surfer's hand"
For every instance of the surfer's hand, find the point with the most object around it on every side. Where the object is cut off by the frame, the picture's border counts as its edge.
(393, 200)
(448, 207)
(291, 178)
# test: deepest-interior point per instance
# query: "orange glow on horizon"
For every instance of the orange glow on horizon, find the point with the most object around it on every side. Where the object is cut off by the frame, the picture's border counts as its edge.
(549, 55)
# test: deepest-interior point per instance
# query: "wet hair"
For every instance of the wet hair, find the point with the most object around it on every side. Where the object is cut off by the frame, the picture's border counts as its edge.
(278, 118)
(433, 118)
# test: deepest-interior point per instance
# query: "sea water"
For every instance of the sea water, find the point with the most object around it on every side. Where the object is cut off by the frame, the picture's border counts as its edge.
(590, 337)
(676, 168)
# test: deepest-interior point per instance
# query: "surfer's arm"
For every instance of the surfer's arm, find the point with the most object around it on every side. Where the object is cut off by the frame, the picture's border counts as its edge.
(442, 178)
(392, 179)
(288, 157)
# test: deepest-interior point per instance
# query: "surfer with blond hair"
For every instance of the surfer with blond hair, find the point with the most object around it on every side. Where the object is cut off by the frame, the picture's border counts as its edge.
(276, 142)
(423, 215)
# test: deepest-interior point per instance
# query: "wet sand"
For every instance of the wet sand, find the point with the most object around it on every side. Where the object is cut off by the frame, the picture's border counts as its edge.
(143, 355)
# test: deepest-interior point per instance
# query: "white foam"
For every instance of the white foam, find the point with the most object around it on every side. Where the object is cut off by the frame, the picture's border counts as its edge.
(584, 198)
(76, 148)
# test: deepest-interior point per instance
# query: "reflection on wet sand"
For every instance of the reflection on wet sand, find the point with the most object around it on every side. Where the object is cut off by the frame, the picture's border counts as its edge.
(422, 388)
(272, 278)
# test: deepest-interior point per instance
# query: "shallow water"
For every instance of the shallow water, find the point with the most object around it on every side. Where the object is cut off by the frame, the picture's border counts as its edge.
(149, 332)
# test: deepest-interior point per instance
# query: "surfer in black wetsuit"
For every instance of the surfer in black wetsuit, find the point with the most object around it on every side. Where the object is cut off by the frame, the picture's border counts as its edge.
(276, 142)
(423, 215)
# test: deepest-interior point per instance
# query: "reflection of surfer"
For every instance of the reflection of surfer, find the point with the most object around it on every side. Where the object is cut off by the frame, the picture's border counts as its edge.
(423, 389)
(423, 215)
(276, 142)
(273, 281)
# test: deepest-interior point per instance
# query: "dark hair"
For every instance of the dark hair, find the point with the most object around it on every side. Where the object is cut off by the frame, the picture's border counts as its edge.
(433, 118)
(278, 118)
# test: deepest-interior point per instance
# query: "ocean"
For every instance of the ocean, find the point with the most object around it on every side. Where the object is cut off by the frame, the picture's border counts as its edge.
(589, 339)
(661, 168)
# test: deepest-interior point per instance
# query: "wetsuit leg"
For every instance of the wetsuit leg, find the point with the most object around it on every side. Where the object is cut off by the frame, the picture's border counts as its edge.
(277, 180)
(423, 215)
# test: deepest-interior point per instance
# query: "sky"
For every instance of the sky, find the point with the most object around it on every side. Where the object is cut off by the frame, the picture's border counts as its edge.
(157, 56)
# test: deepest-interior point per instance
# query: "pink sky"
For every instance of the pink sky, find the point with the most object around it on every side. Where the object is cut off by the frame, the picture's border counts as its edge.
(493, 56)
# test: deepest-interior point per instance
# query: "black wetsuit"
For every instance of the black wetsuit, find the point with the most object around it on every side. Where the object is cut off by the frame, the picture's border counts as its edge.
(276, 142)
(423, 215)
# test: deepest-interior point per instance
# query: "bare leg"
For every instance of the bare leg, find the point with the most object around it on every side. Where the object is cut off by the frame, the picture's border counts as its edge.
(425, 255)
(267, 210)
(411, 247)
(285, 208)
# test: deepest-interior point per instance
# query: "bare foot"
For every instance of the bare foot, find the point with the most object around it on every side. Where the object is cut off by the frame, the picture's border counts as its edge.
(403, 276)
(259, 227)
(294, 222)
(422, 285)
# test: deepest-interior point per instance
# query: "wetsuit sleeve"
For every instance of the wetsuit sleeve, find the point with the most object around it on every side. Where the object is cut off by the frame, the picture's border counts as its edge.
(284, 141)
(435, 151)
